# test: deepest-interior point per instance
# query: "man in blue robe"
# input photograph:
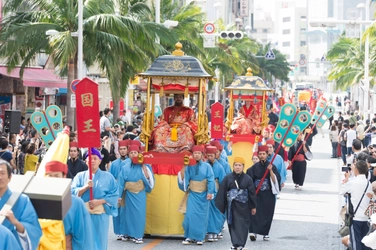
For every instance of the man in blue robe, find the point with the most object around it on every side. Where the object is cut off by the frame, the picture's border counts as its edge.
(105, 192)
(8, 241)
(78, 226)
(216, 218)
(198, 180)
(220, 159)
(135, 180)
(278, 161)
(22, 219)
(115, 169)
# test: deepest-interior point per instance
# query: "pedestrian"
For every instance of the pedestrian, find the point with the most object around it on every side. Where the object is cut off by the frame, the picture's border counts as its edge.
(115, 169)
(32, 161)
(198, 182)
(135, 180)
(343, 143)
(106, 193)
(255, 158)
(75, 164)
(300, 152)
(218, 156)
(22, 220)
(262, 220)
(78, 227)
(236, 196)
(333, 137)
(216, 218)
(358, 188)
(350, 136)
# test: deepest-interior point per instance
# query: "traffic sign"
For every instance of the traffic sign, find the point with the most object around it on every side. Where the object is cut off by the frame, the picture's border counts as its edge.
(73, 85)
(323, 59)
(209, 28)
(269, 55)
(209, 40)
(302, 62)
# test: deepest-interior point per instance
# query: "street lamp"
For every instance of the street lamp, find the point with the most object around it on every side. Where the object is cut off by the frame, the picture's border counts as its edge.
(216, 89)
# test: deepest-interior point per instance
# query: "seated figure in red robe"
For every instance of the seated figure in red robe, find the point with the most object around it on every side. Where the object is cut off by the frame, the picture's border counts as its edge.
(247, 120)
(175, 132)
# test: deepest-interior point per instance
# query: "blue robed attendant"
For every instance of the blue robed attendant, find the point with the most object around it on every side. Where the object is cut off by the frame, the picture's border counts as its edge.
(216, 218)
(78, 227)
(198, 181)
(104, 204)
(8, 241)
(115, 169)
(219, 157)
(278, 161)
(22, 219)
(135, 180)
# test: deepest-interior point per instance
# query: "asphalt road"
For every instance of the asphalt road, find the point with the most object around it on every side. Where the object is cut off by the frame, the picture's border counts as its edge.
(306, 219)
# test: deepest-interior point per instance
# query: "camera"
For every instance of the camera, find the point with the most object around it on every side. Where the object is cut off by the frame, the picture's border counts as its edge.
(347, 168)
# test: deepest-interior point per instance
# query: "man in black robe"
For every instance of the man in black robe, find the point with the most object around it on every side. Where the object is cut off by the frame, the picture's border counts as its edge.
(236, 195)
(266, 196)
(299, 165)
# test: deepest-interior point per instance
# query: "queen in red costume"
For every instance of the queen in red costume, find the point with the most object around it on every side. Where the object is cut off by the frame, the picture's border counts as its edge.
(247, 121)
(175, 132)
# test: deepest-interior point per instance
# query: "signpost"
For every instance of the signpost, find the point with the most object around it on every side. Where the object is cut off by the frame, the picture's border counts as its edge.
(209, 28)
(209, 37)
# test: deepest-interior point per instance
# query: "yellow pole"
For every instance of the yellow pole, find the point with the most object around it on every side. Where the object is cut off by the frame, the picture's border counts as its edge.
(199, 123)
(263, 106)
(152, 111)
(147, 115)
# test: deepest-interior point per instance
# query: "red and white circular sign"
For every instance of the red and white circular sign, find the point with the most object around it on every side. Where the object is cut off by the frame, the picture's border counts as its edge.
(209, 28)
(302, 62)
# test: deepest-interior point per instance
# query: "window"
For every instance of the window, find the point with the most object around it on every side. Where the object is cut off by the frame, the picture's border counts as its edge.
(303, 30)
(285, 32)
(264, 30)
(302, 56)
(286, 19)
(303, 70)
(285, 44)
(303, 43)
(288, 57)
(303, 18)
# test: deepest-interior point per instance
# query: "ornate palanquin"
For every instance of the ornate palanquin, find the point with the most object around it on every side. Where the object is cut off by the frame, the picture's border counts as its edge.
(171, 74)
(249, 88)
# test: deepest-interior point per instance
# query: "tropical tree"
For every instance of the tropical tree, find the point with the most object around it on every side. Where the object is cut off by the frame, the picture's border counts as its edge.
(347, 62)
(277, 68)
(121, 44)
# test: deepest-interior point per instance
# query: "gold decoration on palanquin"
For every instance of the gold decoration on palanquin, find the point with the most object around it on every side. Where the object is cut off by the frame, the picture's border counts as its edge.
(177, 66)
(178, 51)
(186, 160)
(236, 82)
(260, 83)
(249, 72)
(140, 158)
(247, 85)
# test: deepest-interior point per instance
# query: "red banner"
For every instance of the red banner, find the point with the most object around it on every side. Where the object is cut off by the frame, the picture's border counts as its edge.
(87, 108)
(217, 119)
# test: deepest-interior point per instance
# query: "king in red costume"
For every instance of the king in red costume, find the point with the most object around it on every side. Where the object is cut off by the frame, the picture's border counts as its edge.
(175, 132)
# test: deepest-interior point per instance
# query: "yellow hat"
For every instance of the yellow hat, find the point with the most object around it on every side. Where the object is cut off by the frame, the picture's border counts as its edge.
(239, 160)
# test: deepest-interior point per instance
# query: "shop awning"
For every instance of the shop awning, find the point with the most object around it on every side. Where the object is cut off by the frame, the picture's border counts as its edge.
(36, 77)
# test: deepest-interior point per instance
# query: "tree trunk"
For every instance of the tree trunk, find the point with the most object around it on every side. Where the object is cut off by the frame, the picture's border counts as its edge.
(116, 105)
(70, 111)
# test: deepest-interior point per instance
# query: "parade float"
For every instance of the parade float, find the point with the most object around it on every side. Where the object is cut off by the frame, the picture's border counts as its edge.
(246, 129)
(171, 74)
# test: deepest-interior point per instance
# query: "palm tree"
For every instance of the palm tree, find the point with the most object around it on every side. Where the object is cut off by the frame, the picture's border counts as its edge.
(277, 68)
(121, 44)
(347, 62)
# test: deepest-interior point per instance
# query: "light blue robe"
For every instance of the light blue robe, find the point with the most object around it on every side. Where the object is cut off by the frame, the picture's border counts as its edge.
(135, 203)
(104, 187)
(25, 213)
(225, 165)
(216, 218)
(78, 224)
(7, 240)
(225, 152)
(196, 217)
(115, 169)
(280, 165)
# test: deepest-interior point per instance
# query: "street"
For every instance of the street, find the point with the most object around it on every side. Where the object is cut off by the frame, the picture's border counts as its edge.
(306, 219)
